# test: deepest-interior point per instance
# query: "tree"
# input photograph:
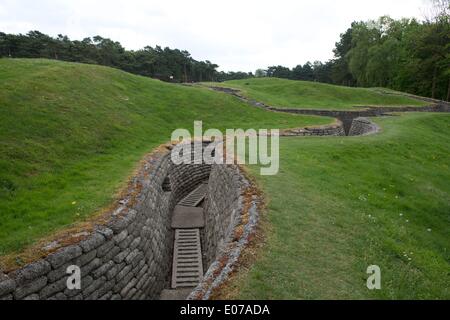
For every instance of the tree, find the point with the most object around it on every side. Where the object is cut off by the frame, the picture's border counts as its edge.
(304, 72)
(225, 76)
(438, 9)
(322, 71)
(432, 50)
(279, 72)
(260, 73)
(340, 71)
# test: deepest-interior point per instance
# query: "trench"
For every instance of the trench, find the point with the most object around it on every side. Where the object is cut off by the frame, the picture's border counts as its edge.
(187, 223)
(206, 214)
(346, 118)
(206, 210)
(179, 231)
(203, 220)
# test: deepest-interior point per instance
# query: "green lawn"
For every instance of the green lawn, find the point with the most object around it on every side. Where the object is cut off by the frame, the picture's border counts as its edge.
(342, 204)
(284, 93)
(71, 134)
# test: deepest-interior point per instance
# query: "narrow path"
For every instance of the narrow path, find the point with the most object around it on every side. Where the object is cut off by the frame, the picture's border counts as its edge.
(187, 266)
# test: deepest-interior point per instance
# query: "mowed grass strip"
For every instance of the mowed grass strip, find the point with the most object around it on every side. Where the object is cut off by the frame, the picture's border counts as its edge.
(340, 204)
(283, 93)
(71, 134)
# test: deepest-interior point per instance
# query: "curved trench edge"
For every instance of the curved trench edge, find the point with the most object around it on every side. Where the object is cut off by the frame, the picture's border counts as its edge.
(225, 263)
(346, 117)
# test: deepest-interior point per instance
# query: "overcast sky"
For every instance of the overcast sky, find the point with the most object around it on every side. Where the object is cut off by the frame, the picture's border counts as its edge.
(235, 34)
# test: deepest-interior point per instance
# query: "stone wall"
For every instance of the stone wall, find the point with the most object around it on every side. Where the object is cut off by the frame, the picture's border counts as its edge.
(129, 256)
(356, 127)
(231, 215)
(185, 178)
(330, 130)
(222, 210)
(362, 126)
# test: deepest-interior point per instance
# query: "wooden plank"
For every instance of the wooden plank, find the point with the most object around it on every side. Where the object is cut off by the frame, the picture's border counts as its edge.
(187, 268)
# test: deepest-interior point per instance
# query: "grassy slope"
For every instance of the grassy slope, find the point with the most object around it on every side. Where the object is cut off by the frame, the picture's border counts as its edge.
(70, 134)
(354, 202)
(302, 94)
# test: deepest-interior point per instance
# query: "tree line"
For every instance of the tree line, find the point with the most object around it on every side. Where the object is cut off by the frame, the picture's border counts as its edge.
(317, 71)
(156, 62)
(405, 55)
(165, 64)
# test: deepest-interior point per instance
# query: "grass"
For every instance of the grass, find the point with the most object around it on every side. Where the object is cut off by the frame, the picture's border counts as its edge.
(71, 134)
(339, 205)
(284, 93)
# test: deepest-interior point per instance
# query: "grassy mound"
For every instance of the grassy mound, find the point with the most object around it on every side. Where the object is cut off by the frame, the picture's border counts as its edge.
(342, 204)
(284, 93)
(70, 134)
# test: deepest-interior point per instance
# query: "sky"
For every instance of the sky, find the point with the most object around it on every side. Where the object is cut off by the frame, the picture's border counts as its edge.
(238, 35)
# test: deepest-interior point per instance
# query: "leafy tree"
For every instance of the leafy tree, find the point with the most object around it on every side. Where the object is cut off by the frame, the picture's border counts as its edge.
(304, 72)
(340, 72)
(405, 55)
(322, 71)
(260, 73)
(279, 72)
(225, 76)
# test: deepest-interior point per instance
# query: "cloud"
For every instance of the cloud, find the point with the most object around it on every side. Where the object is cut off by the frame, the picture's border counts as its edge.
(236, 34)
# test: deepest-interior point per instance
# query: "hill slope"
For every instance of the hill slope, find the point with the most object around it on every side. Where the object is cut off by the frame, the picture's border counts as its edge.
(70, 134)
(340, 205)
(312, 95)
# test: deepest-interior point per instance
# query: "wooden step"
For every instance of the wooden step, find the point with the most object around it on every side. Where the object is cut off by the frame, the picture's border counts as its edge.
(187, 270)
(194, 198)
